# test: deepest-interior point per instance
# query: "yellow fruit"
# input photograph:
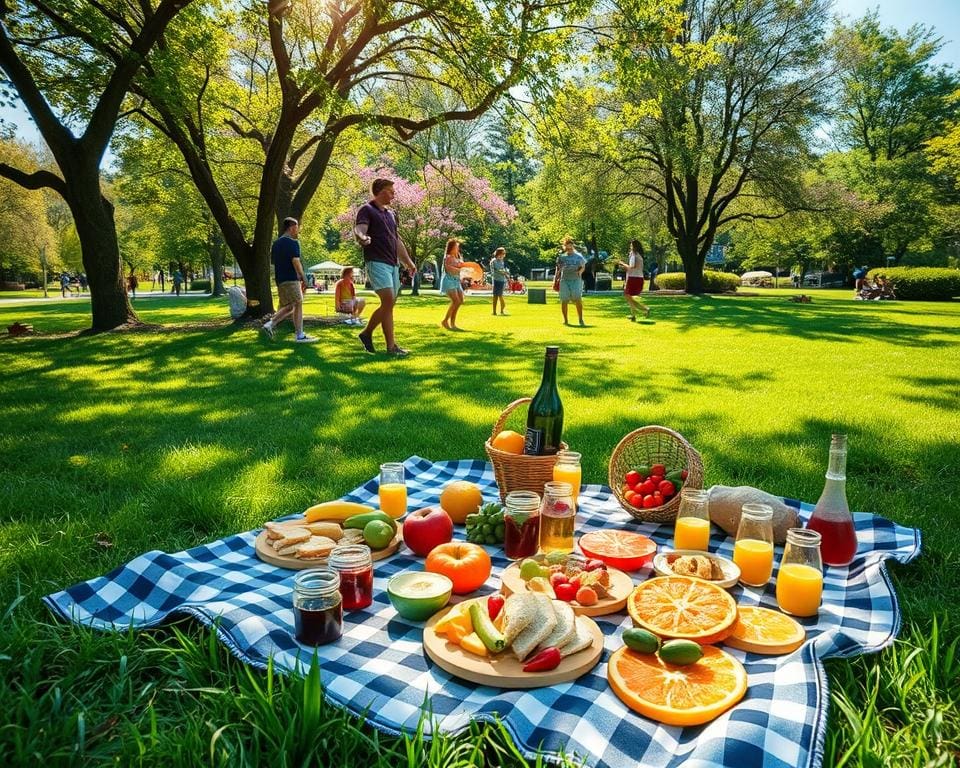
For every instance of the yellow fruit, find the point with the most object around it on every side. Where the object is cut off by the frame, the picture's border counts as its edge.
(508, 441)
(474, 644)
(456, 625)
(761, 630)
(459, 499)
(683, 607)
(677, 695)
(336, 510)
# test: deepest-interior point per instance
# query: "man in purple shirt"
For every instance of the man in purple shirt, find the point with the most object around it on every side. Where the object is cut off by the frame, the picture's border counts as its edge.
(376, 231)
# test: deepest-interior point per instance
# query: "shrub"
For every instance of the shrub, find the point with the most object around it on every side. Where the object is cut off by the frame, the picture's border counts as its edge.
(921, 283)
(713, 282)
(200, 285)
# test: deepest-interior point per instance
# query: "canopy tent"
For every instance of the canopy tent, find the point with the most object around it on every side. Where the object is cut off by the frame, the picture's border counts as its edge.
(758, 277)
(326, 268)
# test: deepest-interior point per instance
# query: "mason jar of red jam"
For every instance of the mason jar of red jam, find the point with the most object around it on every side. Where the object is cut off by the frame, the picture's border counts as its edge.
(355, 565)
(317, 606)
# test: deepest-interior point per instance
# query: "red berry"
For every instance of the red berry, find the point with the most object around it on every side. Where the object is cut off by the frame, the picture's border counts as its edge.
(565, 592)
(666, 488)
(556, 579)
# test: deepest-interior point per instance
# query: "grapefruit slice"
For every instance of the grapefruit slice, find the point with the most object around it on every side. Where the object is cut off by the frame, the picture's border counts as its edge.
(625, 550)
(690, 695)
(761, 630)
(683, 607)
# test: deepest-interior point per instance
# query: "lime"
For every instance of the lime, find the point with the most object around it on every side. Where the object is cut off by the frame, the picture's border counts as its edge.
(377, 534)
(530, 569)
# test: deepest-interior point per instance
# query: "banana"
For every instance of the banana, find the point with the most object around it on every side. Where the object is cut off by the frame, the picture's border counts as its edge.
(336, 510)
(360, 521)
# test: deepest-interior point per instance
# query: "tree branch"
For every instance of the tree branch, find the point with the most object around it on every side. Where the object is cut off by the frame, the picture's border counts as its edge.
(35, 180)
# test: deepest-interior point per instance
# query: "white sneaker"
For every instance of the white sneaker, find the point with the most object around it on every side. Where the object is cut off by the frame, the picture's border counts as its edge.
(267, 329)
(306, 339)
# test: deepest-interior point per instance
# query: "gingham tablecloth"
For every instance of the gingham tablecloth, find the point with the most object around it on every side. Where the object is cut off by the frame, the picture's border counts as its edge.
(378, 667)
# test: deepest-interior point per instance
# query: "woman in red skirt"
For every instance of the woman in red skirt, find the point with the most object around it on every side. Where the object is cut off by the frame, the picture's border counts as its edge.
(633, 286)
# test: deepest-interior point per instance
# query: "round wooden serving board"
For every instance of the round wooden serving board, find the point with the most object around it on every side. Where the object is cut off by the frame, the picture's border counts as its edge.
(504, 670)
(269, 555)
(620, 582)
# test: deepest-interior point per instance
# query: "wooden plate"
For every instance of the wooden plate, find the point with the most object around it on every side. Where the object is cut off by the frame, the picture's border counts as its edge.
(504, 670)
(621, 587)
(269, 555)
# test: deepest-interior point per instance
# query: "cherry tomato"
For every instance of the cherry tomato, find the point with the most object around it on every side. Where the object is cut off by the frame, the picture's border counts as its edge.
(556, 579)
(683, 474)
(646, 488)
(575, 583)
(656, 480)
(657, 499)
(565, 592)
(632, 478)
(649, 502)
(658, 469)
(666, 488)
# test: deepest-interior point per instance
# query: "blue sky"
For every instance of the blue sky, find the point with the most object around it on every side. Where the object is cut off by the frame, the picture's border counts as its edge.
(943, 15)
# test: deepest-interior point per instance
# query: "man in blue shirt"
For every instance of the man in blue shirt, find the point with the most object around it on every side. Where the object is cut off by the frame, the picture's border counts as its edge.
(285, 255)
(570, 265)
(375, 230)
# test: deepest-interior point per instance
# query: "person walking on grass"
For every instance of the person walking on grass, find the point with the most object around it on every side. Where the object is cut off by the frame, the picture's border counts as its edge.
(570, 266)
(498, 274)
(375, 229)
(285, 255)
(633, 285)
(133, 282)
(450, 283)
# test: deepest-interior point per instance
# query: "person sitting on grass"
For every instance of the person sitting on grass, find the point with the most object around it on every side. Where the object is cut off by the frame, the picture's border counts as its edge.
(345, 297)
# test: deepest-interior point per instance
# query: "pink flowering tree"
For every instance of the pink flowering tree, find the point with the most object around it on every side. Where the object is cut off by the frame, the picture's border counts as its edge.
(434, 206)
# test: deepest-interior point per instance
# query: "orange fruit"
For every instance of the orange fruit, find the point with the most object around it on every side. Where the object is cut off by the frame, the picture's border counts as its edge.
(467, 565)
(509, 442)
(761, 630)
(683, 607)
(675, 695)
(459, 499)
(621, 549)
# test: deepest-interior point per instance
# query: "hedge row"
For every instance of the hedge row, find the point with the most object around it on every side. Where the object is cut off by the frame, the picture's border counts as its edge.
(200, 285)
(922, 283)
(713, 282)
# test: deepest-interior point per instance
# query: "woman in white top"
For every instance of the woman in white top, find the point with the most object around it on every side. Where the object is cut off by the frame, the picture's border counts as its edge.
(633, 286)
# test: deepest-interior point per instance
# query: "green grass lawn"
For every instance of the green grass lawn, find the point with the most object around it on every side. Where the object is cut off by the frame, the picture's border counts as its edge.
(166, 438)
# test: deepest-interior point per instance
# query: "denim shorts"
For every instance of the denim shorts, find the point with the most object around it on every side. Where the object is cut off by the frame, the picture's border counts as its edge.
(498, 286)
(571, 290)
(450, 283)
(384, 276)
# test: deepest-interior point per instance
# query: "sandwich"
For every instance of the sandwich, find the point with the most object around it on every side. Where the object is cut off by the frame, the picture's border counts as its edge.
(566, 628)
(583, 638)
(518, 611)
(316, 547)
(542, 624)
(292, 535)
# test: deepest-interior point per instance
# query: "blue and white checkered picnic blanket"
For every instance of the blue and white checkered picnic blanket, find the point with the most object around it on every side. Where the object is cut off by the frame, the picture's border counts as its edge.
(378, 666)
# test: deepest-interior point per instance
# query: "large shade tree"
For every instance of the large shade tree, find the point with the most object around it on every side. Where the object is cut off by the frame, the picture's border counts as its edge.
(71, 65)
(307, 73)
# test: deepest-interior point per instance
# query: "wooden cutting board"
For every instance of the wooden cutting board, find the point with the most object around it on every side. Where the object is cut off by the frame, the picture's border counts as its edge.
(269, 555)
(620, 582)
(504, 670)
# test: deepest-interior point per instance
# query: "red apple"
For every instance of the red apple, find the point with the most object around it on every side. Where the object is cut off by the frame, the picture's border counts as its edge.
(427, 528)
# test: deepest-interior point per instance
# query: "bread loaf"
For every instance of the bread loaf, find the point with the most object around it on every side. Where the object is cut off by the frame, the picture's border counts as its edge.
(726, 501)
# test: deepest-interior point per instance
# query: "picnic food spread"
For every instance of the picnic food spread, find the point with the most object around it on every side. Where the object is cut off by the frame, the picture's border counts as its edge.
(535, 629)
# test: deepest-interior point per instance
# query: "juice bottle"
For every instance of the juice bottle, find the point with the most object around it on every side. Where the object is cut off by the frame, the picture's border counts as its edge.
(753, 550)
(692, 529)
(800, 578)
(393, 489)
(567, 470)
(831, 517)
(521, 524)
(557, 518)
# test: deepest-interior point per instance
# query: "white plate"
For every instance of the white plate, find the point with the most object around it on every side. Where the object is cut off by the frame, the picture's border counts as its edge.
(731, 571)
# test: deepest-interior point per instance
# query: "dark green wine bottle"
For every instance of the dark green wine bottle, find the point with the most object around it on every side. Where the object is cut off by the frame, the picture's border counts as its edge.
(545, 417)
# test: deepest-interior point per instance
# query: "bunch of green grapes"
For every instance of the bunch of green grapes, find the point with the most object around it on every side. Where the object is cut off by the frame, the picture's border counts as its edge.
(486, 526)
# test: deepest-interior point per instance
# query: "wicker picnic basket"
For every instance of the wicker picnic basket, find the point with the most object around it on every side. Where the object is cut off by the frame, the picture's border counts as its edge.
(518, 472)
(654, 445)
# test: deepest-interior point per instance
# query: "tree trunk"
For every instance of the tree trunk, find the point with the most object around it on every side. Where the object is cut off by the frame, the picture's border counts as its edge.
(218, 253)
(692, 263)
(97, 232)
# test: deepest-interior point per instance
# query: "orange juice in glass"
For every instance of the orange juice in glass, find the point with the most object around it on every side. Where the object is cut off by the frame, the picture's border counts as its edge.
(393, 490)
(800, 578)
(753, 550)
(692, 529)
(567, 470)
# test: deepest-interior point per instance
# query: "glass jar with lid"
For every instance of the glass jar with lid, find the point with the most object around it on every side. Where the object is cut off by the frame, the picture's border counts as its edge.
(317, 606)
(521, 524)
(354, 563)
(557, 517)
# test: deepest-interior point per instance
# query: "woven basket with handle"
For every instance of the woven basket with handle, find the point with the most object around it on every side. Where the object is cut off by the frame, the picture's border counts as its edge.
(648, 446)
(518, 472)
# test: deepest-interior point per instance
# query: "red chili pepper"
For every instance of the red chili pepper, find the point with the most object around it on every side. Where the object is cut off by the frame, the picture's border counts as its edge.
(494, 606)
(547, 659)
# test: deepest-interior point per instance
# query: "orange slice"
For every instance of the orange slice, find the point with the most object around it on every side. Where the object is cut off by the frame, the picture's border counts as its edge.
(622, 549)
(761, 630)
(684, 607)
(674, 695)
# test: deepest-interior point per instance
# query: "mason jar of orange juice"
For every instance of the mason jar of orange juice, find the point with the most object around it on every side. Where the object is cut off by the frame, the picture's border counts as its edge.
(753, 550)
(800, 578)
(692, 529)
(567, 470)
